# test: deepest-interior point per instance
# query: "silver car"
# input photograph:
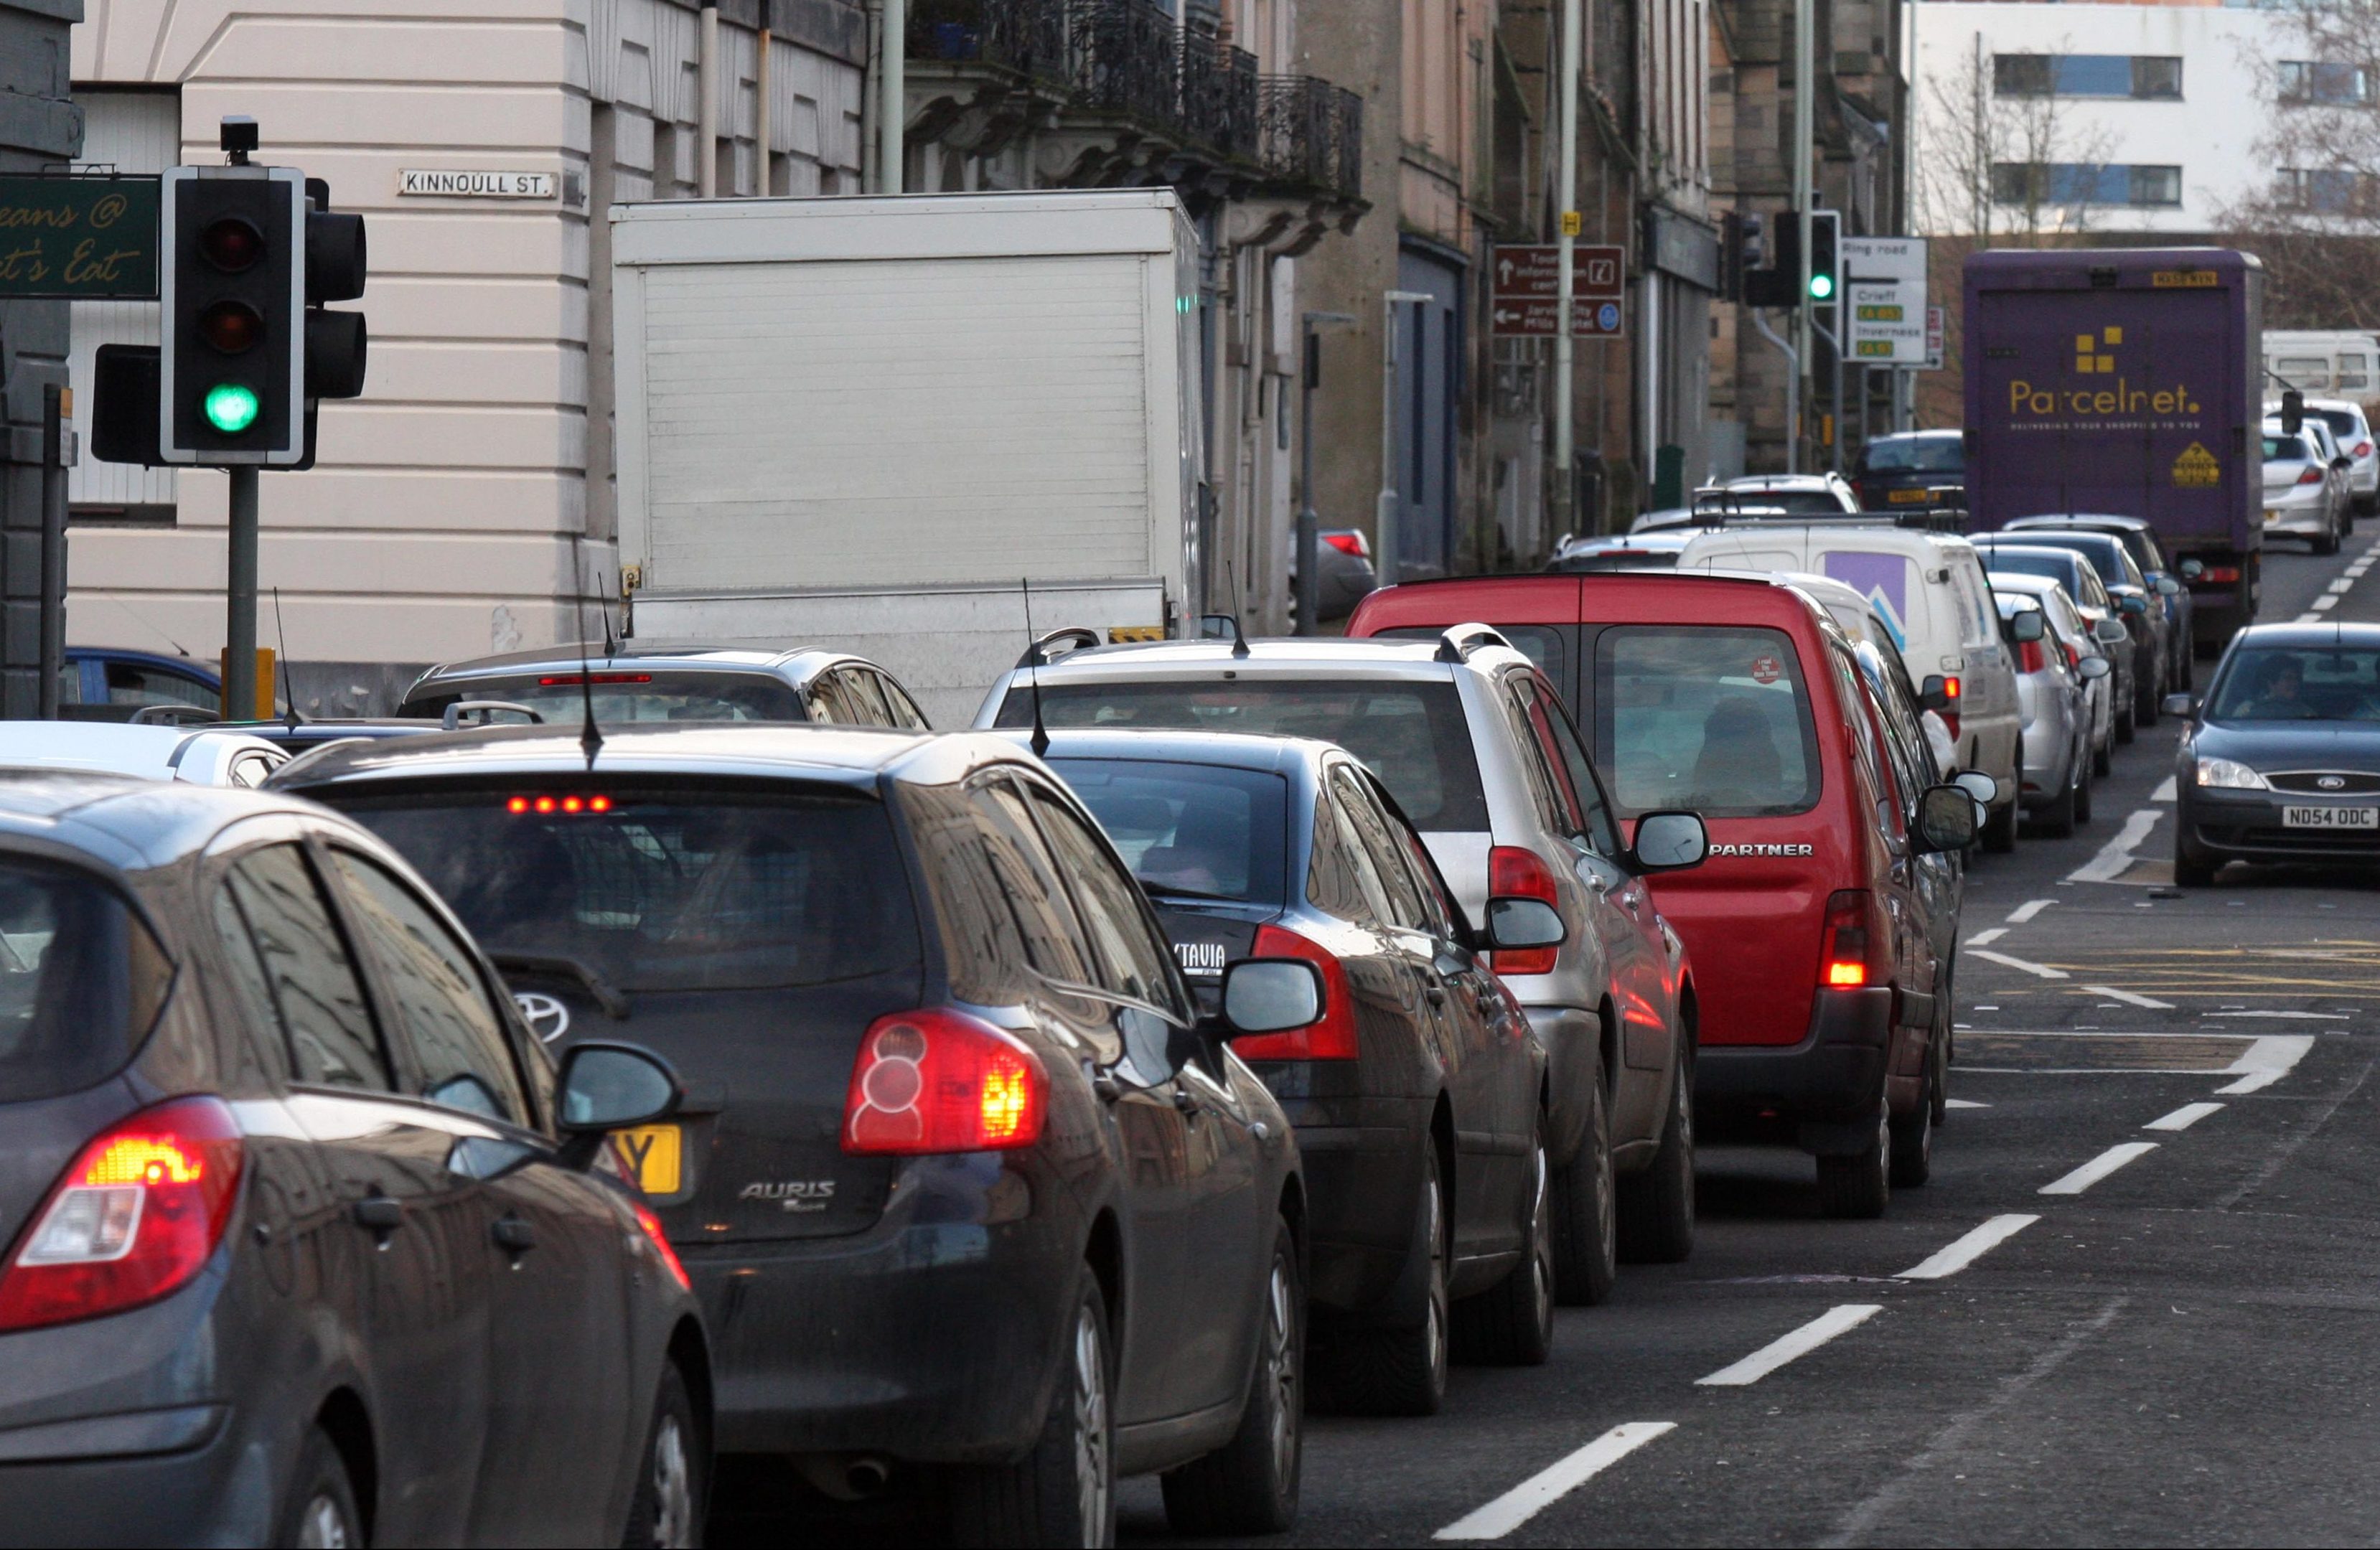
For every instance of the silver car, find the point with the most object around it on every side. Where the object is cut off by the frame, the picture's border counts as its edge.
(2305, 495)
(2063, 695)
(1473, 742)
(629, 682)
(2351, 428)
(195, 756)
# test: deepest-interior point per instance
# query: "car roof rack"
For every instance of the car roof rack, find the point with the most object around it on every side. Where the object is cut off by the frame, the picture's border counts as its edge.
(1457, 644)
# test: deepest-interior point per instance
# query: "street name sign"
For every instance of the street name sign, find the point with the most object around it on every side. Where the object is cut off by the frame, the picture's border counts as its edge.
(1884, 300)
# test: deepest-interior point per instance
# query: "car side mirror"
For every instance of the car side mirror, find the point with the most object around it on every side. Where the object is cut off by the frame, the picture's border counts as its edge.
(2180, 705)
(2192, 570)
(1669, 841)
(2133, 605)
(2028, 626)
(1271, 995)
(2292, 412)
(1945, 818)
(1988, 790)
(1934, 694)
(2109, 632)
(2095, 666)
(1514, 923)
(2168, 586)
(605, 1086)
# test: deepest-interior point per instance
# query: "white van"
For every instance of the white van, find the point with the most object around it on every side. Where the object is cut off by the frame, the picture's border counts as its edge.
(1927, 590)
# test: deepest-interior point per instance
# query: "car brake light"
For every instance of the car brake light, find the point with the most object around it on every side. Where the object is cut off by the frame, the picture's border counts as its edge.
(2030, 658)
(660, 1241)
(1515, 872)
(942, 1081)
(1330, 1036)
(2313, 475)
(1950, 714)
(134, 1217)
(1847, 963)
(572, 679)
(2226, 575)
(1349, 543)
(2363, 449)
(2073, 658)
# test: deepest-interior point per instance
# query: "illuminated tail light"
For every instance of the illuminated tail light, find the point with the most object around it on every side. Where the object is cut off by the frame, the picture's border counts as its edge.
(1950, 714)
(2030, 658)
(660, 1241)
(137, 1214)
(1848, 959)
(1349, 543)
(941, 1081)
(1515, 872)
(2220, 574)
(1330, 1037)
(2313, 475)
(2363, 449)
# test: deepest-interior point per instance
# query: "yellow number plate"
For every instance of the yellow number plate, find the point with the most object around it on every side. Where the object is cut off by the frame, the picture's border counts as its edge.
(656, 1153)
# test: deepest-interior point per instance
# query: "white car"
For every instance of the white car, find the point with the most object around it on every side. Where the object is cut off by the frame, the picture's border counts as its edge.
(195, 755)
(2304, 495)
(2351, 428)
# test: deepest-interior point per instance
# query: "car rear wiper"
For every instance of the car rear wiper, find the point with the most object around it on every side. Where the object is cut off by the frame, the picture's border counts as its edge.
(603, 992)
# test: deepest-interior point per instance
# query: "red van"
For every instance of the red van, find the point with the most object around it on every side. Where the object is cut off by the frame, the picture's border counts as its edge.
(1826, 1013)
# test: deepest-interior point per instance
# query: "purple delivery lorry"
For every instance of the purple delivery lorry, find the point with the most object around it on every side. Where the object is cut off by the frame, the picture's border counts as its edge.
(2126, 380)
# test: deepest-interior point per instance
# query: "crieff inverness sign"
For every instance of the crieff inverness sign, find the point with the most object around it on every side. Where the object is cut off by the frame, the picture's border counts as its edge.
(80, 237)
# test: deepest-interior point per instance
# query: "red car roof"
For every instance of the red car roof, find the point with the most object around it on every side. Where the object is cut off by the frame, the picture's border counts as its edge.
(1623, 597)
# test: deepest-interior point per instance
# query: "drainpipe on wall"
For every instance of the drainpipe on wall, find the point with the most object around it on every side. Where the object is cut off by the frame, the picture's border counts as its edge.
(706, 107)
(893, 113)
(1566, 201)
(763, 184)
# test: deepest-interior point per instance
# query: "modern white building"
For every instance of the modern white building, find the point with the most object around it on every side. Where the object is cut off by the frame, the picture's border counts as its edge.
(2132, 118)
(464, 503)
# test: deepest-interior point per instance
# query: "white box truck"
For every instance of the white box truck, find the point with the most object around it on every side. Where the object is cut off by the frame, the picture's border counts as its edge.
(864, 423)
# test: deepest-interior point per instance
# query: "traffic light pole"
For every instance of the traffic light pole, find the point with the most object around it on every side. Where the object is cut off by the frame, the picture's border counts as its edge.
(239, 631)
(1805, 95)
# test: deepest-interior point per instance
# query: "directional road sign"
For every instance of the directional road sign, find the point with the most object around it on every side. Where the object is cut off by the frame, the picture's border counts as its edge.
(1884, 300)
(1527, 282)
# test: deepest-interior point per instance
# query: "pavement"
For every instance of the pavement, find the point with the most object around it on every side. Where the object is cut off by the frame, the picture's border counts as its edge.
(2139, 1301)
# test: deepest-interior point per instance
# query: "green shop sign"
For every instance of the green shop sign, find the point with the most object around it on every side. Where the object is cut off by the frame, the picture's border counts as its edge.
(83, 238)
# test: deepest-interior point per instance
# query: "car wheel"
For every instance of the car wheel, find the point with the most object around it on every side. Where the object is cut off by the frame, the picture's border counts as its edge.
(1249, 1485)
(2126, 728)
(2057, 820)
(1913, 1137)
(2082, 800)
(2103, 758)
(320, 1512)
(1512, 1324)
(1586, 1229)
(1858, 1188)
(1063, 1491)
(1943, 1033)
(667, 1512)
(1999, 829)
(1657, 1206)
(1400, 1369)
(2329, 542)
(2191, 870)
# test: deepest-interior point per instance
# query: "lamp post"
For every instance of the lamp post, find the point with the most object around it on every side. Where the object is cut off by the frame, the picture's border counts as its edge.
(1309, 527)
(1386, 514)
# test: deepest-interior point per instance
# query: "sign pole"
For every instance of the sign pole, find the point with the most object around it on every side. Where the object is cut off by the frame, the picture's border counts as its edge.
(1565, 495)
(239, 631)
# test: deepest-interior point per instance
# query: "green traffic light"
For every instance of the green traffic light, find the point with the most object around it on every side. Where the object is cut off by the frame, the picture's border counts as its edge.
(231, 408)
(1822, 286)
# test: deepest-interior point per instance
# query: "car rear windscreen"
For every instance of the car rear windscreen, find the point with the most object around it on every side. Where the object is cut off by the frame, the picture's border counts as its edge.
(2052, 567)
(1915, 454)
(1413, 735)
(626, 694)
(2342, 422)
(1716, 720)
(1773, 502)
(664, 887)
(2285, 449)
(1190, 831)
(2102, 556)
(2299, 684)
(80, 980)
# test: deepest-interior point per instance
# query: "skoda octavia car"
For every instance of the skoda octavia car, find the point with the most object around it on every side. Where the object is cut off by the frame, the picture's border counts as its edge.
(305, 1241)
(967, 1186)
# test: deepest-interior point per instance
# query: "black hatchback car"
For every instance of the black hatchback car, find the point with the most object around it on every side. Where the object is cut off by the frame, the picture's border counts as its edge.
(1418, 1097)
(963, 1177)
(305, 1243)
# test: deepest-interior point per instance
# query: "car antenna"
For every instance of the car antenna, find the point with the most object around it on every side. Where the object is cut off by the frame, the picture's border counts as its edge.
(611, 648)
(1239, 639)
(590, 736)
(289, 717)
(1033, 672)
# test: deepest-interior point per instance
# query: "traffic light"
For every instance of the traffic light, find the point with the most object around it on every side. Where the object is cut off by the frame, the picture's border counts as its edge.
(335, 272)
(1825, 282)
(1779, 284)
(232, 324)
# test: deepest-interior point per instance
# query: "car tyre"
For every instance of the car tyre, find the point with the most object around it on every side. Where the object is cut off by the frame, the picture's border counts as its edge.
(2082, 801)
(320, 1512)
(2193, 871)
(1858, 1188)
(2103, 758)
(1586, 1228)
(1999, 829)
(1512, 1324)
(2057, 820)
(667, 1510)
(2126, 727)
(2329, 542)
(1913, 1136)
(1249, 1485)
(1063, 1491)
(1400, 1369)
(1657, 1206)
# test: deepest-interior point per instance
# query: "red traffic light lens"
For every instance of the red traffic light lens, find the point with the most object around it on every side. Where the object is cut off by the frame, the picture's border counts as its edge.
(231, 243)
(231, 326)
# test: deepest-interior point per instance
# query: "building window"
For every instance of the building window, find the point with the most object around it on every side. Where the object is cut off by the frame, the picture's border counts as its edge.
(2305, 80)
(2324, 190)
(2085, 182)
(2146, 75)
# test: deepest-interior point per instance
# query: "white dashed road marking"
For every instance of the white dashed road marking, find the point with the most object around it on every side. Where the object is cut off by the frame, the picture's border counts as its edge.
(2266, 1061)
(1963, 1103)
(2115, 858)
(2129, 998)
(1965, 1251)
(2164, 792)
(2041, 970)
(2098, 1168)
(1549, 1486)
(2029, 909)
(1985, 938)
(1792, 1347)
(2183, 1117)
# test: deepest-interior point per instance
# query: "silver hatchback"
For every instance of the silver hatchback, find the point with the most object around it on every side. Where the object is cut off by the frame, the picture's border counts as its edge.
(1473, 744)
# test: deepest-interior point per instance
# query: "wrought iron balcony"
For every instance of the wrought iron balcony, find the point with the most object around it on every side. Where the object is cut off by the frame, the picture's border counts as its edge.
(1311, 134)
(1220, 93)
